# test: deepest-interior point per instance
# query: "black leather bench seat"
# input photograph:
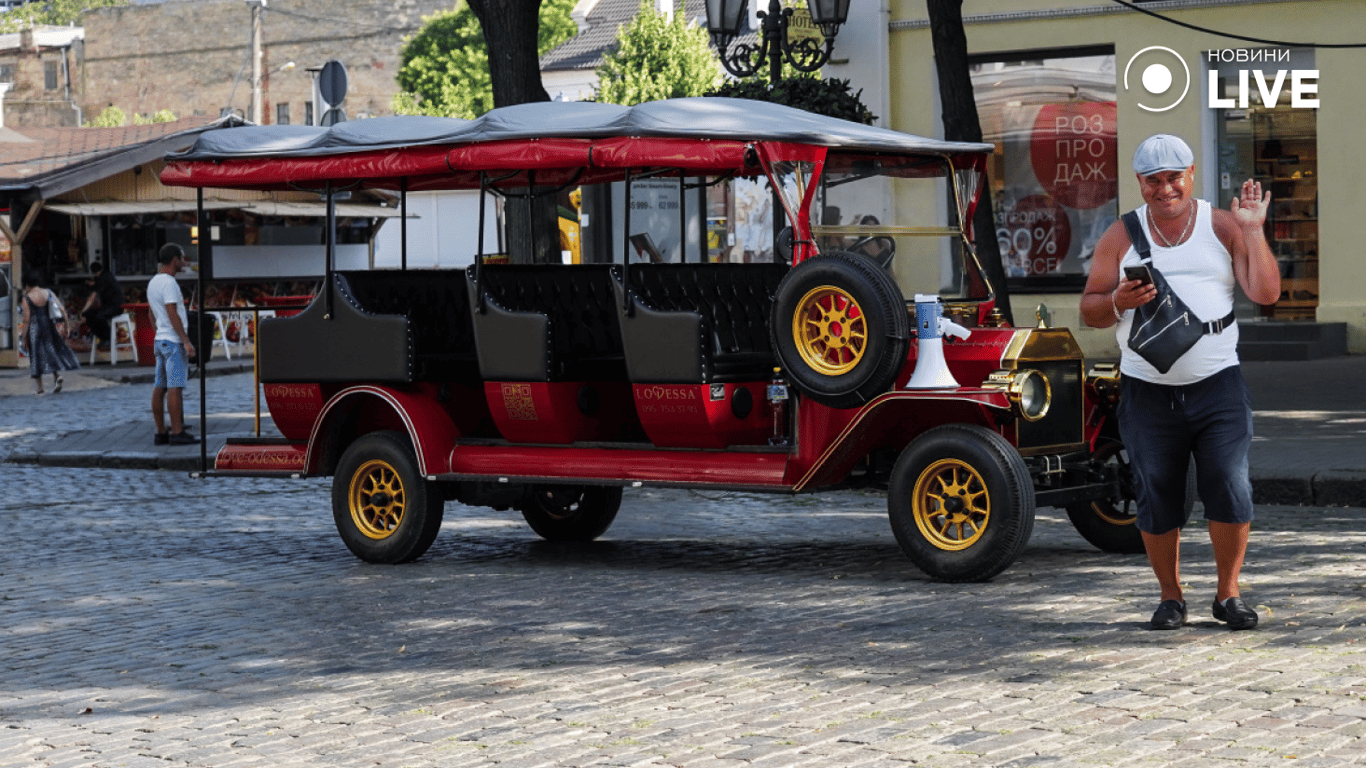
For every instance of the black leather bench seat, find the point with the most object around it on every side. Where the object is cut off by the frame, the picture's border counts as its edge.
(436, 304)
(698, 323)
(352, 345)
(547, 322)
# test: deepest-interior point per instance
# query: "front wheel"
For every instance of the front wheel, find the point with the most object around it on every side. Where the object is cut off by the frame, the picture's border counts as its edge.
(571, 512)
(384, 509)
(961, 503)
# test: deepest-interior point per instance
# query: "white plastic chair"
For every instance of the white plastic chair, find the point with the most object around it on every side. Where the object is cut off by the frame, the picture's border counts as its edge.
(125, 322)
(221, 334)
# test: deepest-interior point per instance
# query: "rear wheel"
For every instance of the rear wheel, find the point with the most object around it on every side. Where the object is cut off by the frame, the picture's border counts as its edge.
(571, 512)
(961, 503)
(384, 509)
(840, 329)
(1110, 524)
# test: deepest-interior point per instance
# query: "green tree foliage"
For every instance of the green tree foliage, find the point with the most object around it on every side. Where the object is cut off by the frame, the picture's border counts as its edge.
(160, 116)
(445, 66)
(110, 117)
(113, 117)
(658, 57)
(832, 98)
(59, 13)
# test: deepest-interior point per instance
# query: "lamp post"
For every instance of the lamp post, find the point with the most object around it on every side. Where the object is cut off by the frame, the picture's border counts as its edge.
(724, 18)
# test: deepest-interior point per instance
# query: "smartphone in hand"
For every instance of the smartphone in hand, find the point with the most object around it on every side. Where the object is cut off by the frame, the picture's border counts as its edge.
(1139, 273)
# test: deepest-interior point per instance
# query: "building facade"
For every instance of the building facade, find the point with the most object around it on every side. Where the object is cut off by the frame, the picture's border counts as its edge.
(40, 77)
(193, 57)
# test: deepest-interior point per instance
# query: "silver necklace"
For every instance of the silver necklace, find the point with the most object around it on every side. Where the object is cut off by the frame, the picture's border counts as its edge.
(1190, 220)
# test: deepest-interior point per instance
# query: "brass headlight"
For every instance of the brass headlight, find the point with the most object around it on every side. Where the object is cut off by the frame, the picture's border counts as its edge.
(1028, 391)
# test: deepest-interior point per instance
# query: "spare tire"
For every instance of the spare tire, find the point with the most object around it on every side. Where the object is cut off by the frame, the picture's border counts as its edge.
(840, 328)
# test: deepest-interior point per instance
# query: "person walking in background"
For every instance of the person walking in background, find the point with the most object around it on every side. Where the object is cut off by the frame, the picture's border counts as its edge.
(172, 347)
(1200, 406)
(43, 337)
(105, 302)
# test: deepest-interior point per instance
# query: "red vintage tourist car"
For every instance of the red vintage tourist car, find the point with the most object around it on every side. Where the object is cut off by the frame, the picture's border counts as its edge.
(863, 355)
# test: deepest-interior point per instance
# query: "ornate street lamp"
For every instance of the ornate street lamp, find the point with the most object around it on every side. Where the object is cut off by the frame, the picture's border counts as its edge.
(724, 18)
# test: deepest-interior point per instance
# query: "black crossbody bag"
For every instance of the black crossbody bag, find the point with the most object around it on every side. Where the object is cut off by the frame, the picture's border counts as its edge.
(1165, 328)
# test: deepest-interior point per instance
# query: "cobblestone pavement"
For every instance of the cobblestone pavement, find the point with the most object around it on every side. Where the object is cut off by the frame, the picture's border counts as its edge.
(149, 619)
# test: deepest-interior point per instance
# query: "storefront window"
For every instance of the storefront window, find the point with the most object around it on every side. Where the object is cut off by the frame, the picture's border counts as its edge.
(1054, 176)
(1276, 144)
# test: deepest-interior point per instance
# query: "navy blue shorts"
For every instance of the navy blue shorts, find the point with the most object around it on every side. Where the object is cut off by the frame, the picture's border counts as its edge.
(1163, 426)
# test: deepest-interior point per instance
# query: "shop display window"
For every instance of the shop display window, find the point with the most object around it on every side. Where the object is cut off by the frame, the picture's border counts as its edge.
(1275, 144)
(1054, 176)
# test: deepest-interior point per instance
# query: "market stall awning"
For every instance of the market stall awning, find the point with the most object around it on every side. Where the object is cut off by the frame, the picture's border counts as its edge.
(134, 207)
(259, 207)
(295, 208)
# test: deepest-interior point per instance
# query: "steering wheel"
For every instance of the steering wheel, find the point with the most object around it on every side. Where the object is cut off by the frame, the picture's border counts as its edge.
(885, 253)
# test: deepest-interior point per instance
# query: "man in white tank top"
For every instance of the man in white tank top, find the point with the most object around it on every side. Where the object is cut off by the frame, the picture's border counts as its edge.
(1200, 407)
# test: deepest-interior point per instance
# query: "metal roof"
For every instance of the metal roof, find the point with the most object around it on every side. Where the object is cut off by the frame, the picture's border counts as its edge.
(46, 162)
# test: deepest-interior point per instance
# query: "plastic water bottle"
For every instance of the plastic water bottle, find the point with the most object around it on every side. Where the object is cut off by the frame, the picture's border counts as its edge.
(777, 400)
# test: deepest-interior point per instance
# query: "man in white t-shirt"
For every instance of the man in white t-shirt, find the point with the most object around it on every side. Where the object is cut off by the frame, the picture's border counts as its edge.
(172, 346)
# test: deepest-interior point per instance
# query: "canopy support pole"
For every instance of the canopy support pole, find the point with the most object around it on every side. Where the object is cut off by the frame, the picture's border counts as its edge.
(531, 213)
(682, 218)
(204, 351)
(331, 250)
(479, 249)
(626, 248)
(403, 223)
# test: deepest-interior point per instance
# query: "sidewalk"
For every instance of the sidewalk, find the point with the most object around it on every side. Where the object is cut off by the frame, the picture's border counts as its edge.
(1309, 420)
(126, 442)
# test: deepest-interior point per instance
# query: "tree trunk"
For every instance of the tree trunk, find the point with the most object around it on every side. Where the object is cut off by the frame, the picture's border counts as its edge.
(962, 124)
(510, 29)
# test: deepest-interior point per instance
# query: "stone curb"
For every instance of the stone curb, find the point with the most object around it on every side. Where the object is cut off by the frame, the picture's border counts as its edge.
(1340, 488)
(1331, 488)
(1281, 490)
(145, 375)
(109, 460)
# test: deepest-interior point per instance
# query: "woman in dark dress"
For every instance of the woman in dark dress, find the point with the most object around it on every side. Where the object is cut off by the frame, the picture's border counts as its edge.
(43, 338)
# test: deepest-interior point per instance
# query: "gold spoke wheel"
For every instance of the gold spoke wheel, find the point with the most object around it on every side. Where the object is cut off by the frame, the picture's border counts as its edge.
(377, 499)
(830, 330)
(951, 505)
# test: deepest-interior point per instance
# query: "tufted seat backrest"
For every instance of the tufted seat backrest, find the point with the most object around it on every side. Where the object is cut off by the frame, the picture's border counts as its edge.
(582, 335)
(436, 304)
(732, 302)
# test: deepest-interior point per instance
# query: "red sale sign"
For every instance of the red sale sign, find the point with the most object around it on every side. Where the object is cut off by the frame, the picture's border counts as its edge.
(1035, 236)
(1072, 149)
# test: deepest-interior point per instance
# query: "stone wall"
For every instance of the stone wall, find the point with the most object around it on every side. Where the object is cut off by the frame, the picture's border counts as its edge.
(192, 56)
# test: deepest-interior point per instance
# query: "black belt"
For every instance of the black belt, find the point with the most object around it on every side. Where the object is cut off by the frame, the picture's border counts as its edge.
(1218, 326)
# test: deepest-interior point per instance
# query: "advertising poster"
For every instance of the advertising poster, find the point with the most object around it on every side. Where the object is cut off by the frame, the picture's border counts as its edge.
(1061, 185)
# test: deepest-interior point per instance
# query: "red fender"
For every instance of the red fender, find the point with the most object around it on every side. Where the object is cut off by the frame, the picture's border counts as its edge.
(427, 424)
(887, 420)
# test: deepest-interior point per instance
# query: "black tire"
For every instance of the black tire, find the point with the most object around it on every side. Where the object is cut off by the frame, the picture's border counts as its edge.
(1109, 524)
(385, 510)
(840, 329)
(961, 503)
(571, 512)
